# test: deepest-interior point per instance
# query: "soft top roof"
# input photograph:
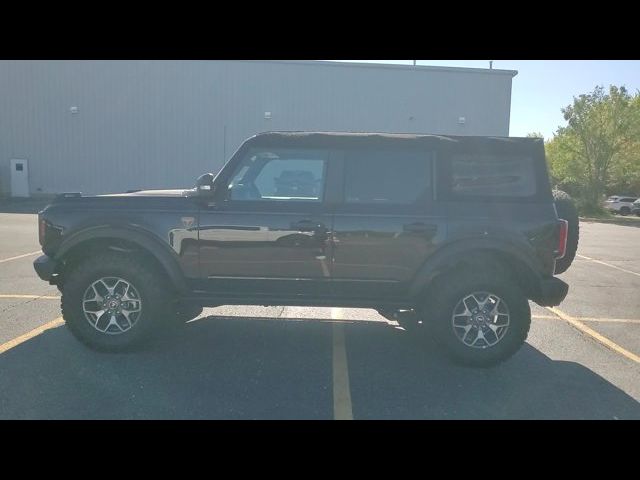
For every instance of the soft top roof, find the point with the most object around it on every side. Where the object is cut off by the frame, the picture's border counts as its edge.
(390, 139)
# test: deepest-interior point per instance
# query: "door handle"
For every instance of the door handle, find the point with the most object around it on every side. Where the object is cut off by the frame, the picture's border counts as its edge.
(420, 227)
(307, 226)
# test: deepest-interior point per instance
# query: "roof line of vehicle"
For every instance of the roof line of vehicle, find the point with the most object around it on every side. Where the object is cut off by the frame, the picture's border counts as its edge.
(305, 133)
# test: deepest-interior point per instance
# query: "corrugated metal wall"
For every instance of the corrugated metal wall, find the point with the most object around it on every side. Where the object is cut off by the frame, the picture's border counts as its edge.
(158, 124)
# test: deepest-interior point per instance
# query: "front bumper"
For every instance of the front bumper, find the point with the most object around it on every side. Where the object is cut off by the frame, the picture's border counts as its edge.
(552, 292)
(45, 267)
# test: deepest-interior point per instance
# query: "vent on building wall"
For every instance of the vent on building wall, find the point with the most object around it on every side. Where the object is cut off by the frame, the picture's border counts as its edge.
(462, 120)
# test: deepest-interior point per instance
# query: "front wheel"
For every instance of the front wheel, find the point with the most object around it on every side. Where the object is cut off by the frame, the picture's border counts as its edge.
(111, 302)
(624, 211)
(479, 321)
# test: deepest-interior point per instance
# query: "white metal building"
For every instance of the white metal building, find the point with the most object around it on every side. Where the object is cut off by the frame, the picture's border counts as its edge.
(107, 126)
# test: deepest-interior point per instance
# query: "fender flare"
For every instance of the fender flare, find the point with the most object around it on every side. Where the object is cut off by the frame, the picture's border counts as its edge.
(146, 241)
(442, 260)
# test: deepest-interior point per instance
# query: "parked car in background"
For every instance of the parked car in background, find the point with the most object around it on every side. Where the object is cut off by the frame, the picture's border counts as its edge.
(635, 209)
(620, 204)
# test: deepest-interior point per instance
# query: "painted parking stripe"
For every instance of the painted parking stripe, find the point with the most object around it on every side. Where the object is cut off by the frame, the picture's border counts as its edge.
(608, 265)
(30, 297)
(342, 409)
(20, 256)
(29, 335)
(595, 335)
(590, 319)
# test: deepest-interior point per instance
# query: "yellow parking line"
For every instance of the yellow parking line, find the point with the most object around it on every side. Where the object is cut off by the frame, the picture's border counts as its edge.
(609, 320)
(20, 256)
(590, 319)
(342, 409)
(609, 265)
(33, 333)
(592, 333)
(31, 297)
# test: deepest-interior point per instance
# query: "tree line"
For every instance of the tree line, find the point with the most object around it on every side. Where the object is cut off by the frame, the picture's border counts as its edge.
(597, 153)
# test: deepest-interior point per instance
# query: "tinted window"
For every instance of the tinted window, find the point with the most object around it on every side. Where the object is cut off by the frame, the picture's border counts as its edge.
(279, 175)
(628, 200)
(387, 177)
(492, 175)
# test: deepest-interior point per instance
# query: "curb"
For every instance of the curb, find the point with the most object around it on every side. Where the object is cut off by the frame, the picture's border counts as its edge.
(629, 222)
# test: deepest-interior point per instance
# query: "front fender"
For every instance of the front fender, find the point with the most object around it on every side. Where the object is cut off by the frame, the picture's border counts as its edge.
(163, 253)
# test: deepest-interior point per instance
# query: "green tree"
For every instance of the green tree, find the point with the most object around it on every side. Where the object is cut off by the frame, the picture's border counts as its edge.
(599, 145)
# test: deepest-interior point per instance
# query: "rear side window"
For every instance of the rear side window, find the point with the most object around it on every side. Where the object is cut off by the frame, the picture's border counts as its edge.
(486, 175)
(387, 177)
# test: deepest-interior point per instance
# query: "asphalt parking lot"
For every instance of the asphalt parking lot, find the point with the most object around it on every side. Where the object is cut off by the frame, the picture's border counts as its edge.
(581, 360)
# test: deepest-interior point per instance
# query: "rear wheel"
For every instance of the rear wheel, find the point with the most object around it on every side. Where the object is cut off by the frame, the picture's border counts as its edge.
(111, 302)
(624, 211)
(479, 320)
(567, 211)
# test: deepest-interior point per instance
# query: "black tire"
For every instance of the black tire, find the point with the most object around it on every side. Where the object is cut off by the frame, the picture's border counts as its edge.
(446, 299)
(148, 283)
(567, 211)
(624, 211)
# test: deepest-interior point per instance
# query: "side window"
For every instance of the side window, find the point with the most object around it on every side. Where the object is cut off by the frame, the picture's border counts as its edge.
(387, 177)
(279, 175)
(488, 175)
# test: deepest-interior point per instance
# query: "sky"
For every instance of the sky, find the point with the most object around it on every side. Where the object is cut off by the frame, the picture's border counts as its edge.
(543, 87)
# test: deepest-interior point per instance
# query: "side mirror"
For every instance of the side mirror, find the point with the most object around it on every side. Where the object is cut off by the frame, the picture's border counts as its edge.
(204, 184)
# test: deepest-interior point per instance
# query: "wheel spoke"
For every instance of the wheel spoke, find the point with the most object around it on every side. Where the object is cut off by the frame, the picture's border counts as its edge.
(480, 303)
(467, 329)
(113, 321)
(96, 295)
(479, 336)
(494, 328)
(468, 310)
(503, 323)
(117, 284)
(106, 286)
(464, 316)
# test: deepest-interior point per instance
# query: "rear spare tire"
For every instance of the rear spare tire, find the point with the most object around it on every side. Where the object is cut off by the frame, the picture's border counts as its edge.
(567, 211)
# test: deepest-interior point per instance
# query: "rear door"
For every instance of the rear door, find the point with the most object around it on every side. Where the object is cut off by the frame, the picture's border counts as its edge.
(386, 223)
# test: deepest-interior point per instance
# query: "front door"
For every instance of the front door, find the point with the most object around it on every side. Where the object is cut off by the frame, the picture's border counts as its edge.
(269, 233)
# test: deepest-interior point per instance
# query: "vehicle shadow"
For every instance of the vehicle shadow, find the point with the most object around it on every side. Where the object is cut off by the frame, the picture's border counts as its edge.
(248, 368)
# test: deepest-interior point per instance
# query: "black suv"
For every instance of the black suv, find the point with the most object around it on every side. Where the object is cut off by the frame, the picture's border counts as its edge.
(448, 235)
